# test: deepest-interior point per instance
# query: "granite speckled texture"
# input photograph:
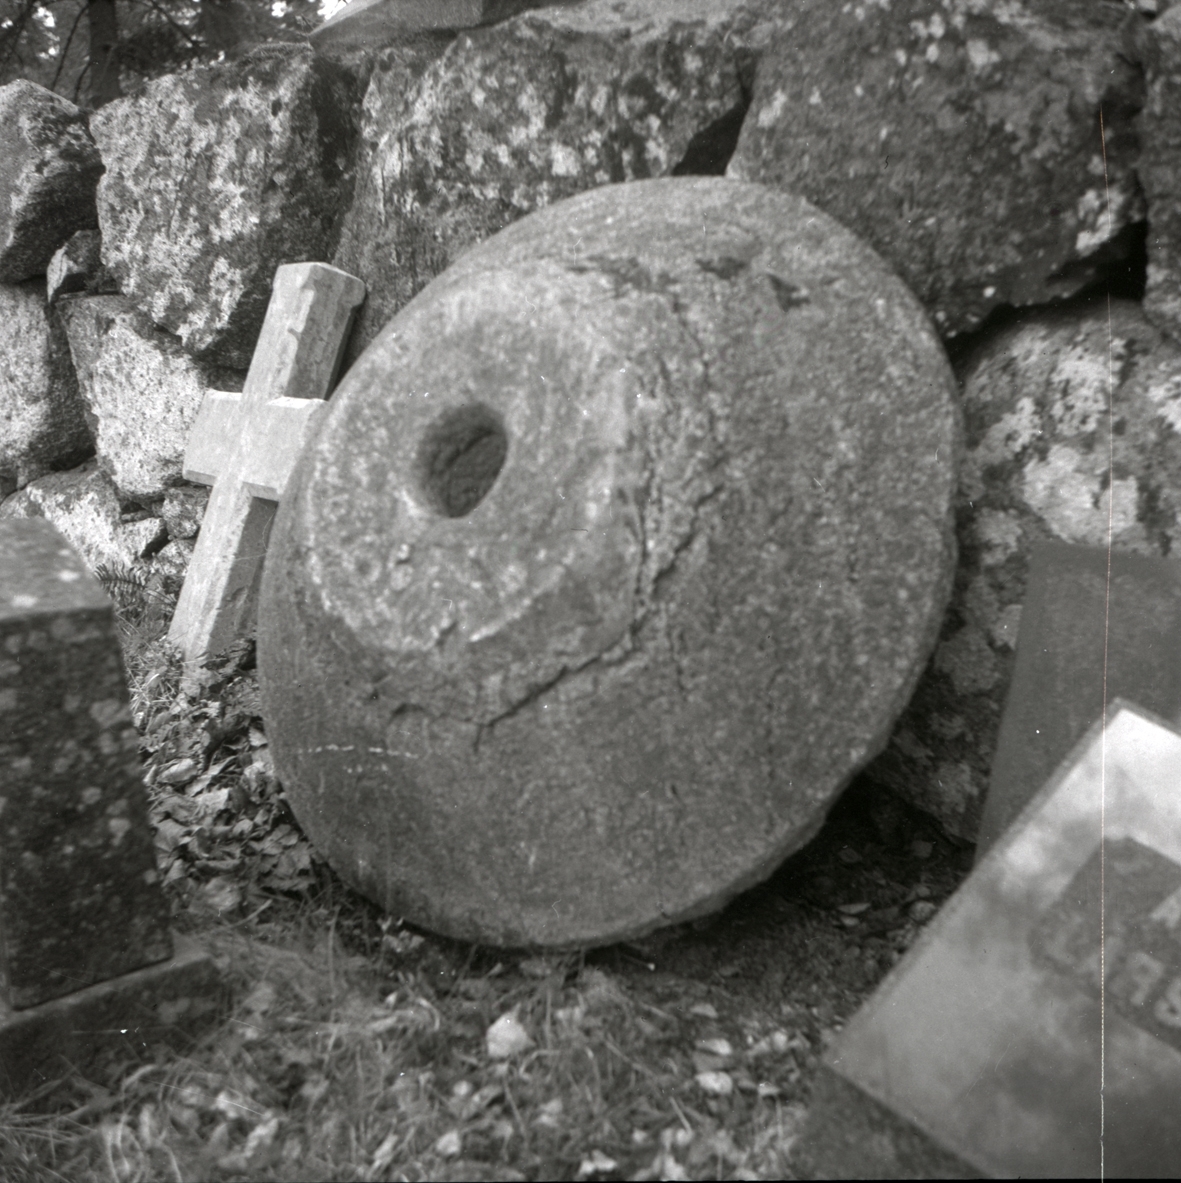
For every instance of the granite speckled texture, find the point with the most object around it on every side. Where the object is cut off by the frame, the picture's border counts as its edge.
(459, 139)
(618, 553)
(1041, 425)
(49, 167)
(959, 138)
(80, 899)
(1159, 126)
(214, 177)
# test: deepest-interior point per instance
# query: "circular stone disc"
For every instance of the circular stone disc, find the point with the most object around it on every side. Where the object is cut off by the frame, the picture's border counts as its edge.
(617, 554)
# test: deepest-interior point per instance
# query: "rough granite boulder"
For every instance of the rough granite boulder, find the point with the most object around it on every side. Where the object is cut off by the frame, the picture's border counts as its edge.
(142, 389)
(42, 420)
(616, 555)
(462, 138)
(217, 175)
(1160, 170)
(84, 505)
(960, 138)
(49, 167)
(1036, 467)
(183, 508)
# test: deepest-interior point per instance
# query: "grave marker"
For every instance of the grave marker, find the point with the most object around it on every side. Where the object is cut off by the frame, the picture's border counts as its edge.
(245, 445)
(1064, 671)
(1034, 1028)
(83, 920)
(373, 23)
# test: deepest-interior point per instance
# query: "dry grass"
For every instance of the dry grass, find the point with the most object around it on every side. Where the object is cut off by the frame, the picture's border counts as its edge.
(357, 1049)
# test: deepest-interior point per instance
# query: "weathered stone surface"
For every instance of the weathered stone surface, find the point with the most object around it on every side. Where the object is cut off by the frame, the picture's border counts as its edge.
(97, 1031)
(215, 177)
(370, 24)
(1039, 436)
(143, 391)
(1033, 1032)
(1160, 167)
(84, 505)
(459, 143)
(78, 267)
(42, 422)
(246, 446)
(961, 139)
(617, 554)
(183, 508)
(80, 898)
(1096, 625)
(49, 167)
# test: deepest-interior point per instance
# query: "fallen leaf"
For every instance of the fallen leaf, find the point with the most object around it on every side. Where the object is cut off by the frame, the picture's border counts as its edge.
(180, 772)
(222, 895)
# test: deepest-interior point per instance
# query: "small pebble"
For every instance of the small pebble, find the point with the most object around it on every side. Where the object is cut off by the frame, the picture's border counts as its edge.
(716, 1047)
(703, 1010)
(449, 1145)
(922, 910)
(506, 1037)
(715, 1084)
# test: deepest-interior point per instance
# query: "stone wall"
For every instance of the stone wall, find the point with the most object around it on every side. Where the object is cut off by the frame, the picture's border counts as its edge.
(1001, 155)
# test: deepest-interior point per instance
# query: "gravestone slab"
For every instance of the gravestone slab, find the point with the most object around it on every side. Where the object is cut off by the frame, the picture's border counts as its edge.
(80, 899)
(1082, 644)
(1034, 1029)
(370, 24)
(88, 969)
(614, 558)
(245, 445)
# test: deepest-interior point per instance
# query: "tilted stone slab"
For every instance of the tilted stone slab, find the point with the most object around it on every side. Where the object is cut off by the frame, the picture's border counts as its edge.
(961, 140)
(80, 899)
(195, 245)
(613, 559)
(369, 24)
(43, 423)
(1034, 1030)
(1095, 626)
(49, 167)
(456, 145)
(1039, 414)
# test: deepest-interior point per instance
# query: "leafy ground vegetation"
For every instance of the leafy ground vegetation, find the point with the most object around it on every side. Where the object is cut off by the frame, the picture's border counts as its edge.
(356, 1048)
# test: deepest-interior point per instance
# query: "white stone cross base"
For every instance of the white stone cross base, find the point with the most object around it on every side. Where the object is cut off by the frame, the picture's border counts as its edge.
(245, 445)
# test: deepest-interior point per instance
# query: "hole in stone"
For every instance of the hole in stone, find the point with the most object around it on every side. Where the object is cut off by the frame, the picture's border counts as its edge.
(460, 458)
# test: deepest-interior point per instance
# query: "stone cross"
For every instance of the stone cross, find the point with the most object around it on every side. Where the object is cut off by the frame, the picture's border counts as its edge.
(1092, 629)
(1035, 1028)
(85, 949)
(245, 445)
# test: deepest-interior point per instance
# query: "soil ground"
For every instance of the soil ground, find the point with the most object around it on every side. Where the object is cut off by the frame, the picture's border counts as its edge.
(355, 1048)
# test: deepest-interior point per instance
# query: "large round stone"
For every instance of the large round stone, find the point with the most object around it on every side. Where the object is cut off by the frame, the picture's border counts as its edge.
(618, 553)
